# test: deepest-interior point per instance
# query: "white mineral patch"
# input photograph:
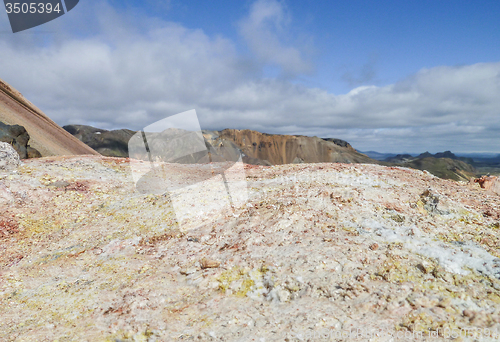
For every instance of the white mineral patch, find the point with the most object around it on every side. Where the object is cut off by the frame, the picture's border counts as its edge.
(453, 258)
(9, 158)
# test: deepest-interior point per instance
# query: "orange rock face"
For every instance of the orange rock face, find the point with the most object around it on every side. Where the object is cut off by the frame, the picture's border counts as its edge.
(290, 149)
(488, 182)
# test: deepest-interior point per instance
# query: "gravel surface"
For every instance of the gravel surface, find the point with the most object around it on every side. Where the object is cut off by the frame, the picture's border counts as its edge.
(319, 252)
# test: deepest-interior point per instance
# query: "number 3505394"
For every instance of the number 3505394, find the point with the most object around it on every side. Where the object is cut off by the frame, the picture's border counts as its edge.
(31, 8)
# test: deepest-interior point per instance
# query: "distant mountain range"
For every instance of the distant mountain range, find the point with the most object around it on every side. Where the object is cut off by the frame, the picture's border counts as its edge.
(404, 158)
(32, 133)
(257, 148)
(379, 155)
(443, 164)
(477, 159)
(273, 149)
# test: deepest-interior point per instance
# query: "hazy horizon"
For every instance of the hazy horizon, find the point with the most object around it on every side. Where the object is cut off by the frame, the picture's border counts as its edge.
(362, 151)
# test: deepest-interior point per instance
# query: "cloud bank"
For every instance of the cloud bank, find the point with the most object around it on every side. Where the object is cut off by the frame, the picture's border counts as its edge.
(265, 30)
(132, 71)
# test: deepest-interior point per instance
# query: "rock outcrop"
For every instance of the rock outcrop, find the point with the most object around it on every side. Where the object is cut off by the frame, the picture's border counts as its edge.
(339, 142)
(18, 137)
(9, 158)
(108, 143)
(319, 251)
(491, 183)
(45, 135)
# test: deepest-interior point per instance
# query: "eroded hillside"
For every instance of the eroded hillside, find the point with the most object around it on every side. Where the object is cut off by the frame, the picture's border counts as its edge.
(275, 149)
(45, 135)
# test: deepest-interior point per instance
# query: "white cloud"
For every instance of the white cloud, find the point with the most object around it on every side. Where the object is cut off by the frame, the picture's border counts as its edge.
(131, 73)
(264, 29)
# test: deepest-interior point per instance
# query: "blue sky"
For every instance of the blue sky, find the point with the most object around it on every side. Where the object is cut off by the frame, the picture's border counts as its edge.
(391, 76)
(368, 42)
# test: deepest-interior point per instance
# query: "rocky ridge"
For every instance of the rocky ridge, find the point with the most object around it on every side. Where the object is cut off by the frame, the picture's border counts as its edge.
(318, 250)
(274, 149)
(17, 136)
(444, 165)
(46, 136)
(257, 148)
(444, 168)
(108, 143)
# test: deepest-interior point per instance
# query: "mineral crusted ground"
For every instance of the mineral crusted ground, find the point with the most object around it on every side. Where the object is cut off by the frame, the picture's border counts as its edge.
(318, 249)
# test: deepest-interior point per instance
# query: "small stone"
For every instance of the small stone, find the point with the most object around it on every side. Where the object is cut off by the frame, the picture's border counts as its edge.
(59, 184)
(444, 303)
(283, 295)
(374, 246)
(425, 267)
(429, 200)
(468, 313)
(207, 263)
(188, 270)
(398, 218)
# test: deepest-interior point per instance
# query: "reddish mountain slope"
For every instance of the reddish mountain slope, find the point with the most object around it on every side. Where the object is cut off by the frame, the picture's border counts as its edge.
(45, 135)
